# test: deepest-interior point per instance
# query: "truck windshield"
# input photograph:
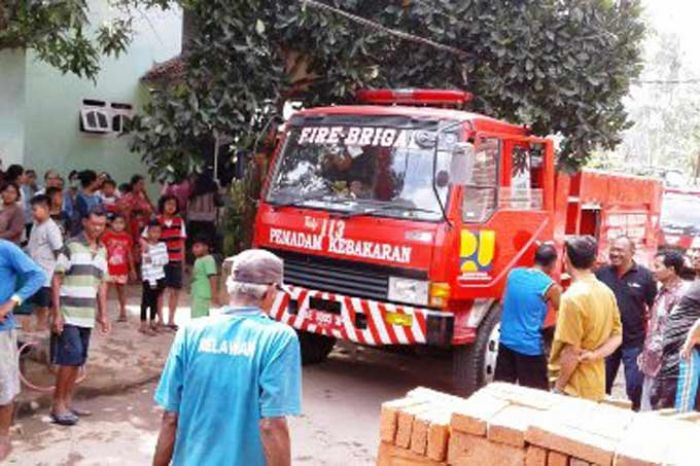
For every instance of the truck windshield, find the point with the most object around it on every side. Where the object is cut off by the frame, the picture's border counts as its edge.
(364, 166)
(680, 210)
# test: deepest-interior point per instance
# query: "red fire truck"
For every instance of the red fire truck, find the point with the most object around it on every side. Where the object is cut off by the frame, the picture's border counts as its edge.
(680, 218)
(399, 220)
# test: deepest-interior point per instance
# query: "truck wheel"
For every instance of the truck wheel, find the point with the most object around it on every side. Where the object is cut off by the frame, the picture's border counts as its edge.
(314, 348)
(473, 366)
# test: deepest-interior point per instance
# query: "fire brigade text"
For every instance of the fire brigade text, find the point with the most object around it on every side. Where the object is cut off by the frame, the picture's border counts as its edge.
(342, 246)
(358, 136)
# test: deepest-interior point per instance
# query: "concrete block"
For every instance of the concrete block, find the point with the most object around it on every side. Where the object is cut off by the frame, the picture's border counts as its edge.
(438, 436)
(535, 456)
(554, 458)
(646, 441)
(419, 433)
(523, 396)
(578, 462)
(473, 415)
(510, 424)
(404, 429)
(469, 450)
(391, 455)
(388, 420)
(682, 448)
(551, 433)
(617, 402)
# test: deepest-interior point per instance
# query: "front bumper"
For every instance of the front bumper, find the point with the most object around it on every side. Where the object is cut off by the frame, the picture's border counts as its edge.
(361, 320)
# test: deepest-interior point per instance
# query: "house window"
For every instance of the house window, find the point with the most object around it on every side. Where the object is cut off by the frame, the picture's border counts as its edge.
(121, 114)
(94, 120)
(98, 117)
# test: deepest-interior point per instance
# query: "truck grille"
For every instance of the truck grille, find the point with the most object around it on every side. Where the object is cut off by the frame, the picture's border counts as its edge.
(340, 276)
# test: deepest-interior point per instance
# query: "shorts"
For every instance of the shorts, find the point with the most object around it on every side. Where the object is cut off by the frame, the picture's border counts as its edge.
(118, 279)
(528, 371)
(173, 275)
(9, 367)
(70, 348)
(42, 298)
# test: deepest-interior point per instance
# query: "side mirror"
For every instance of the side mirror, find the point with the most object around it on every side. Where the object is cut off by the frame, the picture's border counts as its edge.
(462, 164)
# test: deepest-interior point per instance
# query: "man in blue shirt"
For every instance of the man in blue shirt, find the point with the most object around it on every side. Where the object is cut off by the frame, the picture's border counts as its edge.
(14, 264)
(231, 379)
(529, 291)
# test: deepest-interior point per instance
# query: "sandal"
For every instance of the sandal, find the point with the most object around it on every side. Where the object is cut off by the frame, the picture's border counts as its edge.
(65, 419)
(173, 327)
(122, 319)
(81, 412)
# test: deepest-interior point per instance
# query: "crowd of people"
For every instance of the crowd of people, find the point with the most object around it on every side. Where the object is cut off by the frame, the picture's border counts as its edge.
(611, 315)
(64, 245)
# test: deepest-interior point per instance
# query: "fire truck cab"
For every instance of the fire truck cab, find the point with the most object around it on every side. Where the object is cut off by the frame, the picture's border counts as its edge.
(680, 218)
(399, 223)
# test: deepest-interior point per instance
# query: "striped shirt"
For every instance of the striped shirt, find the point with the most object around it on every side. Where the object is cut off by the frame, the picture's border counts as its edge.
(174, 236)
(83, 272)
(154, 256)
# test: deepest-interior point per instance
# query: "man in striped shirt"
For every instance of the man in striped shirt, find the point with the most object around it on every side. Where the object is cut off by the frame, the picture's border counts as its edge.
(79, 300)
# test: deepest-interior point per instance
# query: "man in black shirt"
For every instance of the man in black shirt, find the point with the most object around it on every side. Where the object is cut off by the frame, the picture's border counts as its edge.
(634, 289)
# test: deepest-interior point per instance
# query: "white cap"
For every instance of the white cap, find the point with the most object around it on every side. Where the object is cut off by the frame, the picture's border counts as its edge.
(257, 267)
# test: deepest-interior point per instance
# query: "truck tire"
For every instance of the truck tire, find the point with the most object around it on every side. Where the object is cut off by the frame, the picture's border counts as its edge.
(473, 366)
(315, 348)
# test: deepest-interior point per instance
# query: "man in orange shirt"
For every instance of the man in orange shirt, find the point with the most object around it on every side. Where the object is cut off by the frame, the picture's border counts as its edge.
(588, 326)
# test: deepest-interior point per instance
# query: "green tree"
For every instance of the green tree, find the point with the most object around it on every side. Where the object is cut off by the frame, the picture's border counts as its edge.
(561, 67)
(61, 35)
(665, 108)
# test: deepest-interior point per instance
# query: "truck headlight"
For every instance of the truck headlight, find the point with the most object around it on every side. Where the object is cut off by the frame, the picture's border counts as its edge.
(409, 291)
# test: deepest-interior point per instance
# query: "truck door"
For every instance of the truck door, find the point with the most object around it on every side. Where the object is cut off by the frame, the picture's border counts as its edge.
(506, 209)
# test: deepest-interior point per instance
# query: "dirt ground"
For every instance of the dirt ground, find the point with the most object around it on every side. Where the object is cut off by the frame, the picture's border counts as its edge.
(341, 403)
(339, 425)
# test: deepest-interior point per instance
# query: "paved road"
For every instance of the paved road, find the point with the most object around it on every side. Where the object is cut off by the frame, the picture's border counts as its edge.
(339, 426)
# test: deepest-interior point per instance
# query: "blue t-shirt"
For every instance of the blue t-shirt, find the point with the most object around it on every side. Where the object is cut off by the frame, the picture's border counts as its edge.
(15, 264)
(224, 373)
(524, 311)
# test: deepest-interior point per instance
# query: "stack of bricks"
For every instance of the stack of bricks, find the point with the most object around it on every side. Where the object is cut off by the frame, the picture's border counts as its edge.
(508, 425)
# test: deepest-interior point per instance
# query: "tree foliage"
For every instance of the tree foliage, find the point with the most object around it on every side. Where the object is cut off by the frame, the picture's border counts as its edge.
(61, 34)
(559, 66)
(666, 111)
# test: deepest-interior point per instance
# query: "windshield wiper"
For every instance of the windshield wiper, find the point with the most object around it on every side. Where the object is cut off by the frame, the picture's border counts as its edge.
(295, 201)
(384, 208)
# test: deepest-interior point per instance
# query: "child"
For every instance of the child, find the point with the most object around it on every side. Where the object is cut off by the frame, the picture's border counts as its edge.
(45, 243)
(153, 259)
(204, 279)
(120, 260)
(60, 216)
(110, 196)
(174, 236)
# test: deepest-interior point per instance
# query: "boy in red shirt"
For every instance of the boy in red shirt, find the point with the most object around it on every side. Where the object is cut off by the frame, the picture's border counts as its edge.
(120, 260)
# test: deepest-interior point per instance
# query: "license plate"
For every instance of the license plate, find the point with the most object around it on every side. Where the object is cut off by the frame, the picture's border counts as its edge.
(395, 318)
(325, 319)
